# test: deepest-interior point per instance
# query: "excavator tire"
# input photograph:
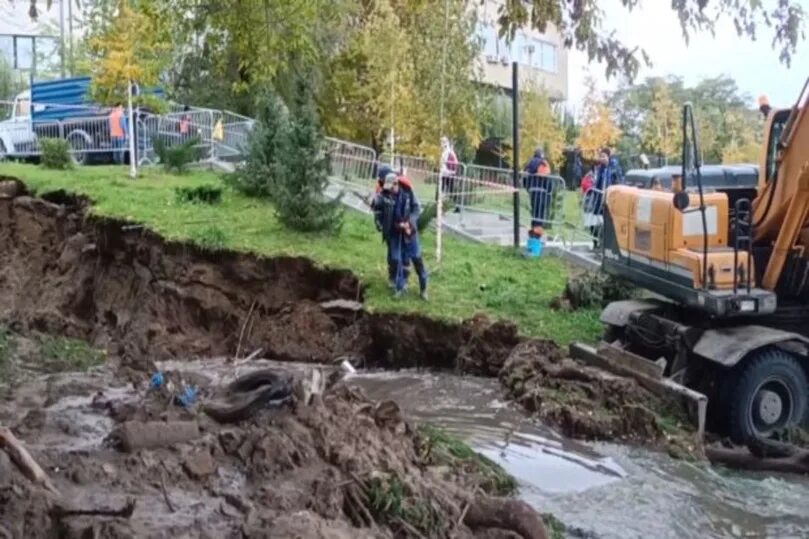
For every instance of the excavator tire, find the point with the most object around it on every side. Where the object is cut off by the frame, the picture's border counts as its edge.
(769, 394)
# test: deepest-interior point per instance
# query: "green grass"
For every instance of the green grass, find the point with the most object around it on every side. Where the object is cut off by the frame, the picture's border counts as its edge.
(442, 449)
(61, 354)
(472, 278)
(7, 348)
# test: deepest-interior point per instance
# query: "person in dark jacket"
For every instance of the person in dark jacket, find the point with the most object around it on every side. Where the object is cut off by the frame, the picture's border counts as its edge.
(382, 207)
(604, 175)
(404, 236)
(540, 189)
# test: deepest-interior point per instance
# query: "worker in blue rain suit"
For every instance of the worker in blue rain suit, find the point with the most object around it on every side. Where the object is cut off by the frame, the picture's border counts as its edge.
(540, 189)
(404, 236)
(382, 206)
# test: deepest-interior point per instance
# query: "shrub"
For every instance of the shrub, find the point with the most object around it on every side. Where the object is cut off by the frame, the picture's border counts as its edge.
(206, 194)
(256, 177)
(590, 290)
(177, 157)
(56, 153)
(302, 173)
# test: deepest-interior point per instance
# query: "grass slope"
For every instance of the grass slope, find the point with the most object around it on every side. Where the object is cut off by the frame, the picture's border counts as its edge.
(472, 278)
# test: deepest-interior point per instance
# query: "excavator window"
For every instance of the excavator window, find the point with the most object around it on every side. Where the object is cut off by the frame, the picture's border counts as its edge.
(773, 143)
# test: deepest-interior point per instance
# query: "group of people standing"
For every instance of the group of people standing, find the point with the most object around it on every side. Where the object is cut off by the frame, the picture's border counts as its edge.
(396, 208)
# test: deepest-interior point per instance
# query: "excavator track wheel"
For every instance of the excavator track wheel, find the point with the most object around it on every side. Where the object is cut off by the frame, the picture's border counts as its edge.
(769, 395)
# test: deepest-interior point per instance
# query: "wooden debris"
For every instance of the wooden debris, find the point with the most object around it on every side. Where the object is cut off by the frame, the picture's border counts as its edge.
(23, 460)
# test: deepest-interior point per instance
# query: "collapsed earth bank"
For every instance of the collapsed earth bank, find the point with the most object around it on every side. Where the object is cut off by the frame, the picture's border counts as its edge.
(145, 299)
(142, 298)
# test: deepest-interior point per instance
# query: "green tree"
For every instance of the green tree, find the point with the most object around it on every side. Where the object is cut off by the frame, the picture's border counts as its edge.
(721, 111)
(744, 137)
(660, 129)
(539, 124)
(303, 171)
(252, 32)
(383, 78)
(260, 172)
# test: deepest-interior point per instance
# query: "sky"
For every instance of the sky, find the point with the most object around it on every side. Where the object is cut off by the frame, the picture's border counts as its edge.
(654, 27)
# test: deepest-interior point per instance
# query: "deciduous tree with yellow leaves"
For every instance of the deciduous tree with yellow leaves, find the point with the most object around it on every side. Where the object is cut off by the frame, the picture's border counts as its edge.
(130, 48)
(598, 129)
(539, 124)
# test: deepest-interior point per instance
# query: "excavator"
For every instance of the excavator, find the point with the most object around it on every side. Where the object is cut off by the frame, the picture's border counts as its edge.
(728, 317)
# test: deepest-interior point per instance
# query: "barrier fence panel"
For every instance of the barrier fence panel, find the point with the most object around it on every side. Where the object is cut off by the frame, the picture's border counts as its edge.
(350, 164)
(231, 134)
(590, 222)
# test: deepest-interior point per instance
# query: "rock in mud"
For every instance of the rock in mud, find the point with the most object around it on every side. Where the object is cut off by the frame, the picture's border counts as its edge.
(136, 435)
(199, 464)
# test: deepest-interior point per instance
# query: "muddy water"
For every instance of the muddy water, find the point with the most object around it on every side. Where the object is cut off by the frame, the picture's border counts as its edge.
(605, 490)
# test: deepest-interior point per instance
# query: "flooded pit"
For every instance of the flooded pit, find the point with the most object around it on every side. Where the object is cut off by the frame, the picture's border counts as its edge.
(608, 490)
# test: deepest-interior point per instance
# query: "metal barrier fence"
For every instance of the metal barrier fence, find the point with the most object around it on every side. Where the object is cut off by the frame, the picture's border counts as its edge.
(590, 222)
(472, 193)
(350, 164)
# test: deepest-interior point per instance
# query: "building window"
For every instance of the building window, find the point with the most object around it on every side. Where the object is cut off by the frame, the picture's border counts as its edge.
(548, 57)
(487, 34)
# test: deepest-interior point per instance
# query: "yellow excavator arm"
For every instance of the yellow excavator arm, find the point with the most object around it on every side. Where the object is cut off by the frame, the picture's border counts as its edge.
(781, 209)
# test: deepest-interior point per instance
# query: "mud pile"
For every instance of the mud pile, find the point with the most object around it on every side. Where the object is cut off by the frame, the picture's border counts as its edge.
(340, 467)
(588, 403)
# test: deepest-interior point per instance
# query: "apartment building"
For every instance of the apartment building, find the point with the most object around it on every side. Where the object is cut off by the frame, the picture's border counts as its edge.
(542, 57)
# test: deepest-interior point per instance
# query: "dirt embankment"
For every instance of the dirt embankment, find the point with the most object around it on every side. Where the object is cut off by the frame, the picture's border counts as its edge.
(129, 291)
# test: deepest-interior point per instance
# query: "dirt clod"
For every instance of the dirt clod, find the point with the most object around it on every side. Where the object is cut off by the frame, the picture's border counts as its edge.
(199, 464)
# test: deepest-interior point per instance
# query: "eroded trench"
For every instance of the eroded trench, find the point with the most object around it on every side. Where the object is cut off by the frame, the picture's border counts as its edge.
(148, 301)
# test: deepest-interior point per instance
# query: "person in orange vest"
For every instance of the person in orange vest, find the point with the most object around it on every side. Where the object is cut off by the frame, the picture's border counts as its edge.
(118, 133)
(540, 189)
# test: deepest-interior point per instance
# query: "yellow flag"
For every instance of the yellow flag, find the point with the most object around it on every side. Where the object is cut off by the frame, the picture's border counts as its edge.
(218, 131)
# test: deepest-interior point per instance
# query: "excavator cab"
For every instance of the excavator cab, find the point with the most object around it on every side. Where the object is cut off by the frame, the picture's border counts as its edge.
(687, 244)
(729, 314)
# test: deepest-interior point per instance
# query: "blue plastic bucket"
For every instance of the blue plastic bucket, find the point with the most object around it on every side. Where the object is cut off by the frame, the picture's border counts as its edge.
(535, 247)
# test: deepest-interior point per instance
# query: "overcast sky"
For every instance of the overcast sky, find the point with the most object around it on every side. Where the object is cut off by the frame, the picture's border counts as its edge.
(654, 27)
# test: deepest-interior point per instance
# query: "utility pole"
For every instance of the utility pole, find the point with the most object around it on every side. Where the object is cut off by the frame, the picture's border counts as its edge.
(515, 135)
(62, 35)
(133, 159)
(70, 34)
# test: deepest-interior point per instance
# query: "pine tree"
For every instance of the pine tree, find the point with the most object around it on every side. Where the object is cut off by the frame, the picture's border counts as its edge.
(259, 174)
(303, 171)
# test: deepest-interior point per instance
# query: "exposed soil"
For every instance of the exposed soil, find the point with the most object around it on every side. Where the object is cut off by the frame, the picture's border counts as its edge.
(588, 403)
(342, 467)
(143, 299)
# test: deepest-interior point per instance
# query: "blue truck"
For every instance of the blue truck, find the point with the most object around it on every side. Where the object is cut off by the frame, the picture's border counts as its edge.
(59, 108)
